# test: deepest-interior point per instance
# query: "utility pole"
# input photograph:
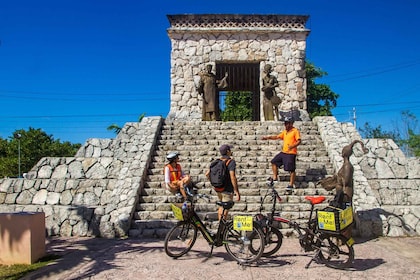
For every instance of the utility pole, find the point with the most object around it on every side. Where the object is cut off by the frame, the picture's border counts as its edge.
(18, 136)
(354, 117)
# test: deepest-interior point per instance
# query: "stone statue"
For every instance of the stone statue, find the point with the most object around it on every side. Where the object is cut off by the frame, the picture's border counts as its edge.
(208, 87)
(343, 180)
(271, 101)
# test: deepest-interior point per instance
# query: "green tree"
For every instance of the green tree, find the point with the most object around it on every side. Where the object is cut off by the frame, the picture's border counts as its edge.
(117, 129)
(413, 142)
(404, 135)
(367, 131)
(411, 136)
(320, 98)
(34, 144)
(238, 106)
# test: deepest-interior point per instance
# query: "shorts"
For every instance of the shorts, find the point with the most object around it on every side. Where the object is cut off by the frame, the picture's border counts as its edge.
(225, 196)
(172, 191)
(286, 160)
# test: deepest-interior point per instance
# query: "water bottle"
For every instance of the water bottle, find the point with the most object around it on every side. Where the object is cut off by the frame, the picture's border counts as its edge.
(184, 208)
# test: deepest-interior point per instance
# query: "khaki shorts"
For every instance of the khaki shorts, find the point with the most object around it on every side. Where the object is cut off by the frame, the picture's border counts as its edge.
(225, 196)
(172, 191)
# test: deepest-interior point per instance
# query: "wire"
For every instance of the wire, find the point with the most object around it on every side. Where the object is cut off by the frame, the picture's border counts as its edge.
(375, 71)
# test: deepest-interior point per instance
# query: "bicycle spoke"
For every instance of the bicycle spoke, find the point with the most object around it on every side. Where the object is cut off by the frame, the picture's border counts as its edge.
(243, 246)
(180, 239)
(335, 252)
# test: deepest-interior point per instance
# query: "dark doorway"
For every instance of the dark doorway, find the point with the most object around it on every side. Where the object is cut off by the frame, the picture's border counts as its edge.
(242, 77)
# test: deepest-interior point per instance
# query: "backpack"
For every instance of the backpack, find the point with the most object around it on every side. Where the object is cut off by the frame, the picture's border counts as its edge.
(219, 174)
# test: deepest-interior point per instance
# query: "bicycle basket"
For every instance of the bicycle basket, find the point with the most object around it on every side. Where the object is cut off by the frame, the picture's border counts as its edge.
(181, 214)
(333, 219)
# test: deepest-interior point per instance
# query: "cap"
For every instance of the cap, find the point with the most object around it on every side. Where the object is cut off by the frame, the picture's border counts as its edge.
(288, 119)
(172, 155)
(224, 148)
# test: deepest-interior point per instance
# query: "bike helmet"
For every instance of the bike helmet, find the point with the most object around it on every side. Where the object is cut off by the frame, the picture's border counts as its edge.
(172, 155)
(288, 119)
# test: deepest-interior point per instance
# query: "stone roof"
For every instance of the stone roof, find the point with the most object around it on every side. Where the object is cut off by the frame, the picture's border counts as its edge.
(235, 21)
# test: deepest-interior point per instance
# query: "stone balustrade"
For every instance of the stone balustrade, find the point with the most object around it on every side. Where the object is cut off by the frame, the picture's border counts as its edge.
(386, 183)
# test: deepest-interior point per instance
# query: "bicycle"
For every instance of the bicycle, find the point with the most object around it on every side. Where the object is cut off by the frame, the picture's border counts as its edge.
(237, 235)
(331, 247)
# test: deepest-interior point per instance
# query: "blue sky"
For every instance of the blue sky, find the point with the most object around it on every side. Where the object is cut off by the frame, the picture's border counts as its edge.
(72, 68)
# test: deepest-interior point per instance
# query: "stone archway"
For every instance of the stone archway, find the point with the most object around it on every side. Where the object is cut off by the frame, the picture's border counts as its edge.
(228, 39)
(243, 77)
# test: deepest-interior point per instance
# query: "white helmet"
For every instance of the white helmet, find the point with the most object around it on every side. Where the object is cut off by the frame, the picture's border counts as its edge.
(288, 119)
(172, 155)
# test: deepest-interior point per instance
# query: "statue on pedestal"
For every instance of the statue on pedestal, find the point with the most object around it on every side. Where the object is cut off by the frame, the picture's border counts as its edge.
(208, 87)
(271, 101)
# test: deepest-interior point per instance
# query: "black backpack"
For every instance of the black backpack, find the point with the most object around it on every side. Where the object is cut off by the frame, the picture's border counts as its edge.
(219, 174)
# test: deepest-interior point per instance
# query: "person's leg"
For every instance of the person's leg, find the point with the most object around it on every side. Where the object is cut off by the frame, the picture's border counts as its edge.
(292, 178)
(275, 170)
(226, 197)
(290, 166)
(276, 162)
(220, 210)
(182, 190)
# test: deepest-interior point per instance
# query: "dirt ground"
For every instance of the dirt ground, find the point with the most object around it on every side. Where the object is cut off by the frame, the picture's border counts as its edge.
(95, 258)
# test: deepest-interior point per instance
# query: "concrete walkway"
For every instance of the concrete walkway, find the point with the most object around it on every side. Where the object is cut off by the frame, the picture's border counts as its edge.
(95, 258)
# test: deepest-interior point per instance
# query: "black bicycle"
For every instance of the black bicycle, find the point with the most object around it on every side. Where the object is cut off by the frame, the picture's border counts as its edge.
(242, 236)
(331, 247)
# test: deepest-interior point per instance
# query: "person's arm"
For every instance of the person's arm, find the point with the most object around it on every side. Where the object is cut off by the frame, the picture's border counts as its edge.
(167, 175)
(270, 137)
(297, 143)
(235, 184)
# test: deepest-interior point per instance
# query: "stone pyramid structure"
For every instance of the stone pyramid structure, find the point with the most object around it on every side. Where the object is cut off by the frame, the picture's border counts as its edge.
(114, 187)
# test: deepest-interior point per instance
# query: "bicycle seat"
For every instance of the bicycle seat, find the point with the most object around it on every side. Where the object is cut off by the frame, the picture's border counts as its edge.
(225, 205)
(315, 199)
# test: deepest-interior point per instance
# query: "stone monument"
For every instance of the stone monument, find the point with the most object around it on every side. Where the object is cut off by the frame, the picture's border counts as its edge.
(236, 44)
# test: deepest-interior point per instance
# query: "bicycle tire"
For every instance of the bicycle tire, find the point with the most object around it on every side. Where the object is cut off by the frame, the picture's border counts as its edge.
(273, 241)
(244, 247)
(180, 239)
(335, 252)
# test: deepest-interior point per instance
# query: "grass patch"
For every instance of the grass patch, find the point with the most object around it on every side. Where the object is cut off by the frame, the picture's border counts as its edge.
(16, 271)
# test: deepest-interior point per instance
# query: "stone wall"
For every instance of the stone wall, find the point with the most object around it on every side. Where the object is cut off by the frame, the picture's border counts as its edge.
(386, 183)
(92, 194)
(198, 40)
(95, 193)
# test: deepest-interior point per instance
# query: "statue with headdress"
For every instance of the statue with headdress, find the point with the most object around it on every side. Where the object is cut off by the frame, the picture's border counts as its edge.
(271, 101)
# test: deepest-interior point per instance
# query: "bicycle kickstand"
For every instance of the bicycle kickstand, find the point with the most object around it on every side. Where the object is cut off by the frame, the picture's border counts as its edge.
(211, 251)
(313, 258)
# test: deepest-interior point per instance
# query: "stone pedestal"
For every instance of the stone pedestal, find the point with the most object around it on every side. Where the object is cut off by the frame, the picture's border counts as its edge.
(22, 237)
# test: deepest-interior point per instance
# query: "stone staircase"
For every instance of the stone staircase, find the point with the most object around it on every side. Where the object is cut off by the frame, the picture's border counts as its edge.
(198, 143)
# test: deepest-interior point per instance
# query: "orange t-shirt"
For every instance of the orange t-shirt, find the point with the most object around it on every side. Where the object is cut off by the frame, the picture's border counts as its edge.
(289, 138)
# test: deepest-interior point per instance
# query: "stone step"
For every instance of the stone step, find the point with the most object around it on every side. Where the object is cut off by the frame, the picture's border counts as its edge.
(198, 143)
(157, 223)
(246, 168)
(253, 179)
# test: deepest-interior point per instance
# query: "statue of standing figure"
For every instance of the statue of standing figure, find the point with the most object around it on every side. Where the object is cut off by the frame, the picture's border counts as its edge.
(208, 87)
(271, 101)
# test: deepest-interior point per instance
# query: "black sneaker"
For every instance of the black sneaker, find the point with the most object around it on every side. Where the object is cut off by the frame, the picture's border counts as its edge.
(289, 189)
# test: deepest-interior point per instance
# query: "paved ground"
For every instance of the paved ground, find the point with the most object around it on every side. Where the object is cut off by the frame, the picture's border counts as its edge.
(94, 258)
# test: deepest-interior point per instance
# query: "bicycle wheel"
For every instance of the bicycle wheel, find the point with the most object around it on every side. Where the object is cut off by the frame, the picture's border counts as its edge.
(273, 240)
(244, 246)
(180, 239)
(335, 252)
